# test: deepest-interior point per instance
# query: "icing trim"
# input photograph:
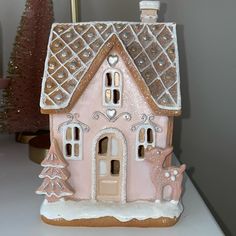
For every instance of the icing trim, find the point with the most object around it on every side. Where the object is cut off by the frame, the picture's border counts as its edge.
(126, 115)
(71, 124)
(159, 108)
(84, 209)
(147, 120)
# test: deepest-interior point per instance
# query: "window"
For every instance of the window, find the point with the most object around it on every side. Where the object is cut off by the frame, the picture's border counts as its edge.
(72, 142)
(145, 138)
(115, 167)
(102, 147)
(108, 150)
(112, 88)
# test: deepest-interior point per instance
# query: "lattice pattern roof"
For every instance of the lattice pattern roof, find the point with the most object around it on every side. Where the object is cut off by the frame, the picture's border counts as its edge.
(73, 47)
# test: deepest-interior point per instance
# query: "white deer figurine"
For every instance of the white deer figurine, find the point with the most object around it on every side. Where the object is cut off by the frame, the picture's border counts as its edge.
(165, 176)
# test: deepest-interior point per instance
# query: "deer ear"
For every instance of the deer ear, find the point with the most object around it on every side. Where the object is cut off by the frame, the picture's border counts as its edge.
(183, 167)
(168, 150)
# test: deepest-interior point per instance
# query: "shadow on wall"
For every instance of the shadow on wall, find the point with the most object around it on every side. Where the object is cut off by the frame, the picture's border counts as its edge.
(186, 114)
(218, 219)
(162, 12)
(1, 52)
(184, 82)
(186, 110)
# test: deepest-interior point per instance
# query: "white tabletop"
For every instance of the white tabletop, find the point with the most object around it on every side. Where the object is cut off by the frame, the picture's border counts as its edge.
(19, 205)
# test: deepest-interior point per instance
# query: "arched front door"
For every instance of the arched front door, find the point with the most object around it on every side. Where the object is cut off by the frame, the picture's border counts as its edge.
(109, 167)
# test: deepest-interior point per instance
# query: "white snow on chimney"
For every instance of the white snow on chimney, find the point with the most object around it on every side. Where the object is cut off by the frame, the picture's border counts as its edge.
(149, 11)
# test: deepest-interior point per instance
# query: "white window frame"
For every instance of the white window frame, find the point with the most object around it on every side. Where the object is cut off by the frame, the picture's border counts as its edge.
(73, 142)
(112, 88)
(145, 143)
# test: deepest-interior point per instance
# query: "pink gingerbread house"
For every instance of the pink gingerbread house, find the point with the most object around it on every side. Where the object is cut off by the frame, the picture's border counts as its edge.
(111, 90)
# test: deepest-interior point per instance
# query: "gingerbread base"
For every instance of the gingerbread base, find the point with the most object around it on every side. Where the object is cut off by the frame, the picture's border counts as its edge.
(113, 222)
(89, 213)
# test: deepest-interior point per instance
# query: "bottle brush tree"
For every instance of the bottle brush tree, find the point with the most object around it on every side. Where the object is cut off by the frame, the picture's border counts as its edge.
(26, 67)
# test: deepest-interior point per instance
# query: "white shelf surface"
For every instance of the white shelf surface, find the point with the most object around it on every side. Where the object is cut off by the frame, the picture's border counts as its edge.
(19, 205)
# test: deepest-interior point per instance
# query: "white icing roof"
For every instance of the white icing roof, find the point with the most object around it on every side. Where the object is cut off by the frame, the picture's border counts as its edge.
(73, 47)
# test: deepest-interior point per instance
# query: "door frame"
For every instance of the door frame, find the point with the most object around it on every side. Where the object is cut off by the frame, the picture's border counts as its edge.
(119, 135)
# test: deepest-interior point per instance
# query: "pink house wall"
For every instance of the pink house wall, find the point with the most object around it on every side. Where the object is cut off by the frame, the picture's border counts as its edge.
(139, 185)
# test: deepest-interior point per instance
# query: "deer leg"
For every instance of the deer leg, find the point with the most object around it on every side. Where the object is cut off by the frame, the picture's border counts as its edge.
(176, 194)
(158, 193)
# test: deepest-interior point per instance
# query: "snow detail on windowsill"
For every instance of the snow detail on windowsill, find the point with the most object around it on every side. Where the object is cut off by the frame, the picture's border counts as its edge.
(85, 209)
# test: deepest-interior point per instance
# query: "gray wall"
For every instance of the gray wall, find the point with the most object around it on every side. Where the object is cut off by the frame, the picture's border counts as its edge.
(205, 135)
(10, 13)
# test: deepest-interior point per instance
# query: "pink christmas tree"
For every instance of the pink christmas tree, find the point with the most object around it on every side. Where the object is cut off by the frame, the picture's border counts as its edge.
(54, 185)
(25, 69)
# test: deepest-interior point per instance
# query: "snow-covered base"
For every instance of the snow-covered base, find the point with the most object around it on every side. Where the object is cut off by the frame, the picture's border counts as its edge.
(85, 209)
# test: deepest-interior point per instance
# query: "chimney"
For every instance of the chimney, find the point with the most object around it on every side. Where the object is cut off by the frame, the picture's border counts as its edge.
(149, 11)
